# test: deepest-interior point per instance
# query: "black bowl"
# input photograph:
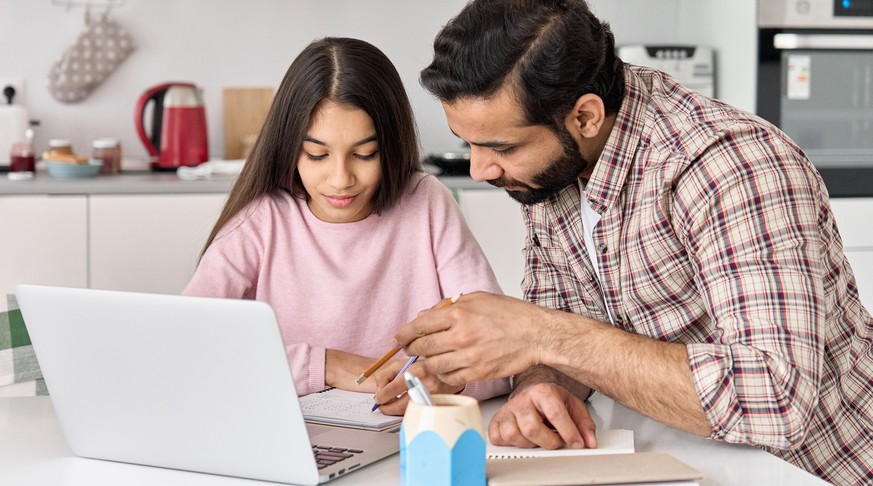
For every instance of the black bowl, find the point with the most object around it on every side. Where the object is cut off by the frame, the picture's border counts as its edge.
(450, 163)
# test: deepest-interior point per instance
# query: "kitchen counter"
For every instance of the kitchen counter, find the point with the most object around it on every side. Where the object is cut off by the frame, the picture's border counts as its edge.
(146, 182)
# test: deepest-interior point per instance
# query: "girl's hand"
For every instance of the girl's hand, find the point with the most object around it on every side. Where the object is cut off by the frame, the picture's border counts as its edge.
(342, 368)
(391, 391)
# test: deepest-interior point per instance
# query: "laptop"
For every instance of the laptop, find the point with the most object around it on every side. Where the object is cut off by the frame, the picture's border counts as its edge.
(190, 383)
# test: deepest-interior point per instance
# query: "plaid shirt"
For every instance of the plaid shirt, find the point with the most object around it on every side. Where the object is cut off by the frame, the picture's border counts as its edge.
(716, 231)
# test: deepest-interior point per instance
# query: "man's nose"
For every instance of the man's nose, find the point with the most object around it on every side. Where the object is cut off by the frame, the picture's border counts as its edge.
(483, 165)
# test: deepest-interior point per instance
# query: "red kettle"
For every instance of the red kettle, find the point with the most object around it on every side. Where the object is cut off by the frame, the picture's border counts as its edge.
(178, 135)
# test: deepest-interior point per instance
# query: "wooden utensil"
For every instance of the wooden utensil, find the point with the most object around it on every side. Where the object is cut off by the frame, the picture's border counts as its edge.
(244, 109)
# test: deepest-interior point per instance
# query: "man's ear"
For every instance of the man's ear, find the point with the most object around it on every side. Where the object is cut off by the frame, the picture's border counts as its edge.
(587, 116)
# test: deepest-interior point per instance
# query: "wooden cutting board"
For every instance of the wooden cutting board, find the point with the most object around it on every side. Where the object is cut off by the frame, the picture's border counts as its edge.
(244, 110)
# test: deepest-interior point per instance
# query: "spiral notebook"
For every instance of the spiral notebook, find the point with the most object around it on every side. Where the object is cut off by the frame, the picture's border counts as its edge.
(343, 408)
(651, 468)
(610, 441)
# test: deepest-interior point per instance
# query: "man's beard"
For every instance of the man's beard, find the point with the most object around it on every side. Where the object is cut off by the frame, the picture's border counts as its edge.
(558, 174)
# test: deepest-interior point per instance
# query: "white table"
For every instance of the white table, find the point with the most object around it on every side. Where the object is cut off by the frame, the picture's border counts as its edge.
(33, 452)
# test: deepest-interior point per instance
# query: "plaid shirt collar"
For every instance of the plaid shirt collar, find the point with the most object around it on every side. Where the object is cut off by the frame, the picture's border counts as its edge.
(617, 157)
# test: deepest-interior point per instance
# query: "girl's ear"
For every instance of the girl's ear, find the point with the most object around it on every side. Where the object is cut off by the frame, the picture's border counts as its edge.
(586, 118)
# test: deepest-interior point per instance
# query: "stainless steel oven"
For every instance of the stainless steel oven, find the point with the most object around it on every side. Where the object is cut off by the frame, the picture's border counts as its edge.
(815, 81)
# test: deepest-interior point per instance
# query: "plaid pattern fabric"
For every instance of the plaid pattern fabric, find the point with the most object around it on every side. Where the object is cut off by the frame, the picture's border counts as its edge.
(19, 371)
(716, 231)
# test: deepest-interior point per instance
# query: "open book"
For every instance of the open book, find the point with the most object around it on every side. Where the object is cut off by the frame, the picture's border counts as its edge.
(610, 441)
(343, 408)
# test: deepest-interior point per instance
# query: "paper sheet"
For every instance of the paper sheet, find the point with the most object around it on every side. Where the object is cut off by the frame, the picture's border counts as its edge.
(611, 441)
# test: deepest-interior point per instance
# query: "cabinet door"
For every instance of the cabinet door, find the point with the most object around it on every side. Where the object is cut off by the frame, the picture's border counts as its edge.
(496, 222)
(853, 221)
(43, 240)
(149, 243)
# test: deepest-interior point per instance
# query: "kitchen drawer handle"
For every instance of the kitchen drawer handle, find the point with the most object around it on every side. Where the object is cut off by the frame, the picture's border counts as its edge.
(822, 41)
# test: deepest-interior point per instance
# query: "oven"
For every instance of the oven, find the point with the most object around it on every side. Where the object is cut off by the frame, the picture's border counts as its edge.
(815, 81)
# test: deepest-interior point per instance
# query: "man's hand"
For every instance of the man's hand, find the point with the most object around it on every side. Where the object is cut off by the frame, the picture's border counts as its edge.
(481, 337)
(545, 415)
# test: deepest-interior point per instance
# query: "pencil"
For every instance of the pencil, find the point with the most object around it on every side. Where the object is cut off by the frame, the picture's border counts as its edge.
(378, 364)
(391, 352)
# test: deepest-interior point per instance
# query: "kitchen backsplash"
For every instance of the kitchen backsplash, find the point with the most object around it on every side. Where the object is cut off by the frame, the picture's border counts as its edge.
(249, 43)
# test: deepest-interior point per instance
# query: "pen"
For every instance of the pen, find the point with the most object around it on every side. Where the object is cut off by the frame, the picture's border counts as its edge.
(391, 352)
(405, 367)
(417, 391)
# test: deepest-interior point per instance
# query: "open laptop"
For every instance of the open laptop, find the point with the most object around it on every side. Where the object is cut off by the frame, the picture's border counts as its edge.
(190, 383)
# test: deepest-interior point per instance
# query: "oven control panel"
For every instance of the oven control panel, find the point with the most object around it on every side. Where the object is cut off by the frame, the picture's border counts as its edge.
(816, 14)
(853, 8)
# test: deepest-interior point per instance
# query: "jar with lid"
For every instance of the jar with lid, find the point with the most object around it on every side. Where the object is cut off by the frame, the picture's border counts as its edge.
(108, 151)
(22, 161)
(60, 146)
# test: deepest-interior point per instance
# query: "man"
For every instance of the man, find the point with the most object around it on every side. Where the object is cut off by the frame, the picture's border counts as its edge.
(681, 254)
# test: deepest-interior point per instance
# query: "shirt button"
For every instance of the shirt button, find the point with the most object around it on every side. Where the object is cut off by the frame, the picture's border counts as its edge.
(602, 247)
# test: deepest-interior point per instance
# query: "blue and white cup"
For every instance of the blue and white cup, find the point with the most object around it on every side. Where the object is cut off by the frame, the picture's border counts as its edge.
(443, 444)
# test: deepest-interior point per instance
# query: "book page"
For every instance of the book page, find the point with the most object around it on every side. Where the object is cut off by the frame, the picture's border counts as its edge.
(610, 441)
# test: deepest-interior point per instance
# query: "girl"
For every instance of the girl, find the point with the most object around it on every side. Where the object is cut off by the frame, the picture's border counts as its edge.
(333, 223)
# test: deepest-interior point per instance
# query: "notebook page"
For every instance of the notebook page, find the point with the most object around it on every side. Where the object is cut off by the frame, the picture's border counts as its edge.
(345, 408)
(610, 441)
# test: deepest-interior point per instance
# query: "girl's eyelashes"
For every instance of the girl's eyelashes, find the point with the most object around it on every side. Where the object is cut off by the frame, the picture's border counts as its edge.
(369, 156)
(316, 158)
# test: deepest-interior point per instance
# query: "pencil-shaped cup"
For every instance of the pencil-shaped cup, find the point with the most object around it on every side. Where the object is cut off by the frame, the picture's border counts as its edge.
(444, 444)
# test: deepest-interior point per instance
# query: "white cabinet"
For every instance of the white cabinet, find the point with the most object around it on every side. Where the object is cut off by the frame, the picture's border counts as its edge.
(43, 240)
(496, 222)
(853, 221)
(148, 243)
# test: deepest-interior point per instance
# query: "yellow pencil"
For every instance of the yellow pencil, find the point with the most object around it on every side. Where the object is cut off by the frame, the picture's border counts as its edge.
(391, 352)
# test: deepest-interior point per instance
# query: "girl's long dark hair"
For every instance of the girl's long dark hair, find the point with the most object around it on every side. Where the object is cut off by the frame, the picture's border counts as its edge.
(349, 72)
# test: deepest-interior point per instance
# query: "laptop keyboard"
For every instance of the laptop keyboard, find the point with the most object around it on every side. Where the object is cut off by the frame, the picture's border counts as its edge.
(328, 456)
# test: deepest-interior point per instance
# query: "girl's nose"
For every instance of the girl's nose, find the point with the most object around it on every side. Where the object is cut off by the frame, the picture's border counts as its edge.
(340, 175)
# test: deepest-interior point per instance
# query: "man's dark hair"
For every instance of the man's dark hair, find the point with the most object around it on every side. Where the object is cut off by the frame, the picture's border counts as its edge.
(550, 51)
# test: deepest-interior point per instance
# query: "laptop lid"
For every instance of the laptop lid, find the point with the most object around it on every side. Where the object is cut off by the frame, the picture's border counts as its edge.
(191, 383)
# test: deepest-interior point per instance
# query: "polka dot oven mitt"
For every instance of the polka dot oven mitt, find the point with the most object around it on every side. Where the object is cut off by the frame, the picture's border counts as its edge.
(86, 64)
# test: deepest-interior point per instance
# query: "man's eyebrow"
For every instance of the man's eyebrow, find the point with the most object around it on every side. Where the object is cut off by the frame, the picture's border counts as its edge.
(489, 143)
(369, 139)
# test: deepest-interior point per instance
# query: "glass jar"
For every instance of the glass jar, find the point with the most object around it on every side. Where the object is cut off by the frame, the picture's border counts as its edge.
(108, 151)
(60, 146)
(22, 161)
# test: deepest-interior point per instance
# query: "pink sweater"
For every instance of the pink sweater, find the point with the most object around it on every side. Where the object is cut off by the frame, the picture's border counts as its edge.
(347, 286)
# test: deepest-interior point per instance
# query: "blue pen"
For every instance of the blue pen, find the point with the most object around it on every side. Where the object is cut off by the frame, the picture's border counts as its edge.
(408, 362)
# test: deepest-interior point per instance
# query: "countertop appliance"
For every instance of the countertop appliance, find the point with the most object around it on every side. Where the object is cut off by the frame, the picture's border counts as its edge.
(815, 81)
(178, 135)
(13, 124)
(691, 66)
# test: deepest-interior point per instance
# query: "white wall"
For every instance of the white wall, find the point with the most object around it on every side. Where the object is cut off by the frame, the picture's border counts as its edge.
(252, 42)
(730, 28)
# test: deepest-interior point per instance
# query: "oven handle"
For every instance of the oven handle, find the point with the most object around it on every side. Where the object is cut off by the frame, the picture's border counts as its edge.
(823, 41)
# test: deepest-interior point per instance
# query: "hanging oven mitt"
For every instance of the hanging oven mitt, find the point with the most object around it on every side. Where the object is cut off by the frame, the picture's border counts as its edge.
(86, 64)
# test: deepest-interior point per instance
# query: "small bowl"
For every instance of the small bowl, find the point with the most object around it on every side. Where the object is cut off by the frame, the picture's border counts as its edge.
(450, 163)
(72, 171)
